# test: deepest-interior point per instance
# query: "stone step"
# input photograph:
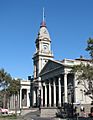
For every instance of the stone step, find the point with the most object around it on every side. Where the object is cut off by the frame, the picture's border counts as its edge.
(27, 111)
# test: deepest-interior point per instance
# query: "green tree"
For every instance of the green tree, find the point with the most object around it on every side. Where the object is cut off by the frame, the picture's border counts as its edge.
(8, 86)
(5, 79)
(1, 99)
(14, 86)
(13, 89)
(84, 76)
(85, 71)
(90, 47)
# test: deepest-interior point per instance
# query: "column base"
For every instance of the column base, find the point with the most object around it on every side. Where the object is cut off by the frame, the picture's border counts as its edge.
(54, 105)
(45, 106)
(49, 105)
(59, 105)
(41, 106)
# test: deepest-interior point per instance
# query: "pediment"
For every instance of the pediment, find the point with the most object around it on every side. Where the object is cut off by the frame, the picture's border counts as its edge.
(50, 66)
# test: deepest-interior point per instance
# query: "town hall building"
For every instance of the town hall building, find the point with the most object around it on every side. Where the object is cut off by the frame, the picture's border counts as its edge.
(53, 84)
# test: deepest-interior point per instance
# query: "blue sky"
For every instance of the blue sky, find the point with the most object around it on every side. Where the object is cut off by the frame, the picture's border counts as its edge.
(70, 24)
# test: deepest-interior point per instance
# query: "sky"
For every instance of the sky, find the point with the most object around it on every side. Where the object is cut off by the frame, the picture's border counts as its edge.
(69, 22)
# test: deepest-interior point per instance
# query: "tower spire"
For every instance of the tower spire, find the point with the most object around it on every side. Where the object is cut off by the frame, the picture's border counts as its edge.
(43, 14)
(43, 24)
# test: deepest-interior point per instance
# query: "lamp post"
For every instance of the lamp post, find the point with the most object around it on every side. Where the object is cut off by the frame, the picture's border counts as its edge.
(31, 90)
(40, 94)
(71, 90)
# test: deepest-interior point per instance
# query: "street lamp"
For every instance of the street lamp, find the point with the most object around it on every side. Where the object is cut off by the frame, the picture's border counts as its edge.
(31, 90)
(71, 92)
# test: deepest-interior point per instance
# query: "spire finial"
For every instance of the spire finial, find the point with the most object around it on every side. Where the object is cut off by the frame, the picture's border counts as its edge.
(43, 24)
(43, 14)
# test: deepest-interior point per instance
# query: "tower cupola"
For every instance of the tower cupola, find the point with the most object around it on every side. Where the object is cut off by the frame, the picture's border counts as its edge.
(43, 33)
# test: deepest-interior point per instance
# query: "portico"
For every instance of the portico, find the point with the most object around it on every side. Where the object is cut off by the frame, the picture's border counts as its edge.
(55, 81)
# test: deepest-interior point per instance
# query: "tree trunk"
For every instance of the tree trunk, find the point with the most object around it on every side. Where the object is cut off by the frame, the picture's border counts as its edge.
(4, 101)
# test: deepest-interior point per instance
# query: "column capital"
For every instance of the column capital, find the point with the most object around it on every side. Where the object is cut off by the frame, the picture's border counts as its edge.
(65, 73)
(59, 78)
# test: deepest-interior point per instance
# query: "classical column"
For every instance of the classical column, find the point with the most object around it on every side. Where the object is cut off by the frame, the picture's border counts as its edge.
(11, 102)
(45, 95)
(34, 97)
(75, 89)
(41, 95)
(54, 88)
(20, 98)
(34, 71)
(65, 88)
(28, 99)
(50, 93)
(59, 88)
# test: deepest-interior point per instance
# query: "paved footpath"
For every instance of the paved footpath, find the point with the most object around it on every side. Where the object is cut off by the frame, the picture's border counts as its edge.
(35, 115)
(40, 118)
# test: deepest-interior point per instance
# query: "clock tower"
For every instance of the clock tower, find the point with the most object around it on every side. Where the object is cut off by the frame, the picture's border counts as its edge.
(42, 54)
(43, 49)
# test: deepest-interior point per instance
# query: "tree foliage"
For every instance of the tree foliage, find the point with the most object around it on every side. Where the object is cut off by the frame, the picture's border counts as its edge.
(90, 47)
(5, 79)
(14, 86)
(85, 75)
(8, 86)
(85, 71)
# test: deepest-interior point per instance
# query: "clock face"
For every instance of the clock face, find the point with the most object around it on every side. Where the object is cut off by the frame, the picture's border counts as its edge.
(45, 47)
